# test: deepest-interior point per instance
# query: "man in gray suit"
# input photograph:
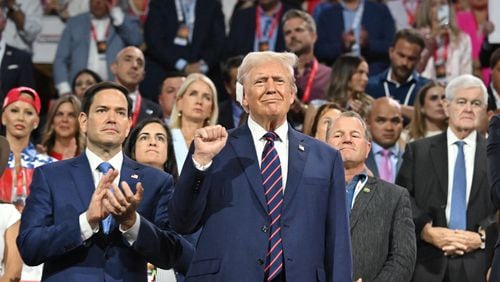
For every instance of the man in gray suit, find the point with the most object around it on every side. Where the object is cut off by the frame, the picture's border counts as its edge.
(382, 230)
(446, 176)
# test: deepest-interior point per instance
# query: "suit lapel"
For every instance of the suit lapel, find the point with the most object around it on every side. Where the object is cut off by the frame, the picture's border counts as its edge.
(297, 155)
(362, 200)
(129, 173)
(479, 167)
(370, 163)
(242, 142)
(439, 155)
(82, 178)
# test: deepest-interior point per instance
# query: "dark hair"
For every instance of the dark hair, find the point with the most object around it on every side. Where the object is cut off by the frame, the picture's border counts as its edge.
(410, 35)
(495, 58)
(88, 97)
(342, 71)
(321, 111)
(227, 65)
(170, 165)
(92, 73)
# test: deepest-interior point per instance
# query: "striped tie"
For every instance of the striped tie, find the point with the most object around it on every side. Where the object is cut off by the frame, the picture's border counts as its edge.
(273, 187)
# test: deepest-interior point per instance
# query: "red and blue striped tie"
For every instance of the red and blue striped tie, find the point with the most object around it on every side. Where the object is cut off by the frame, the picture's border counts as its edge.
(273, 187)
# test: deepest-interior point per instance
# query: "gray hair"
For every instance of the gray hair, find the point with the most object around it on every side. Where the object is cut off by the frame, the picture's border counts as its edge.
(253, 59)
(175, 121)
(352, 114)
(465, 81)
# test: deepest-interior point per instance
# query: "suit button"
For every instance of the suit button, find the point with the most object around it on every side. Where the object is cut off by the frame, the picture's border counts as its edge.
(260, 261)
(265, 228)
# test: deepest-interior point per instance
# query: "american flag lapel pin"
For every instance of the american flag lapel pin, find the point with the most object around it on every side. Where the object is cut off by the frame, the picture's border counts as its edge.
(134, 176)
(301, 147)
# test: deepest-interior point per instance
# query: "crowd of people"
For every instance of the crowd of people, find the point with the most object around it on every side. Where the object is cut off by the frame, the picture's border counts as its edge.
(318, 140)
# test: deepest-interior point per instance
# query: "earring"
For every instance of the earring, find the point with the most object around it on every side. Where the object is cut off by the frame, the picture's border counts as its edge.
(179, 114)
(35, 126)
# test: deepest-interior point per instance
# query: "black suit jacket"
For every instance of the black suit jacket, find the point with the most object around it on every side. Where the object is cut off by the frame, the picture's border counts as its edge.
(16, 70)
(494, 174)
(424, 172)
(382, 233)
(149, 109)
(242, 32)
(160, 30)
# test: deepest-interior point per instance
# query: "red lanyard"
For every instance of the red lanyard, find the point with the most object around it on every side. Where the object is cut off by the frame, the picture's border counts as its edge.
(409, 13)
(312, 75)
(270, 33)
(445, 50)
(94, 33)
(137, 109)
(142, 15)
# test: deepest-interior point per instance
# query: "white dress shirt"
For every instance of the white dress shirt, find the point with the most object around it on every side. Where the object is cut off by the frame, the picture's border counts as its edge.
(23, 39)
(116, 162)
(469, 153)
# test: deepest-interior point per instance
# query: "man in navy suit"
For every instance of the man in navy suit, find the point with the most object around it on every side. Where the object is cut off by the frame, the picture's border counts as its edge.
(284, 219)
(16, 68)
(80, 224)
(359, 26)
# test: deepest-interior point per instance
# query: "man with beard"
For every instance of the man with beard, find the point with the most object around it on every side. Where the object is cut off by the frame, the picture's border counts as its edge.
(311, 77)
(400, 80)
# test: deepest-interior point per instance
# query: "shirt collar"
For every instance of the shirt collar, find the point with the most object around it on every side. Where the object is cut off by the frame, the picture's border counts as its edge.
(94, 160)
(469, 140)
(409, 79)
(258, 131)
(376, 148)
(344, 7)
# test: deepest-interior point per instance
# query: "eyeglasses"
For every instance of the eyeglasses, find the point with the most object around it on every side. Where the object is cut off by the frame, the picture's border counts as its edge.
(434, 97)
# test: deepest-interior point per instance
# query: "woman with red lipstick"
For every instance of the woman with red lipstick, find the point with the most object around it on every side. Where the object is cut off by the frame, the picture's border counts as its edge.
(195, 107)
(20, 116)
(61, 136)
(348, 83)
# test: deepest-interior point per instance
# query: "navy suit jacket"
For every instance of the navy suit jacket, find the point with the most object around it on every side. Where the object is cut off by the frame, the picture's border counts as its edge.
(494, 174)
(50, 229)
(16, 70)
(242, 33)
(228, 201)
(376, 20)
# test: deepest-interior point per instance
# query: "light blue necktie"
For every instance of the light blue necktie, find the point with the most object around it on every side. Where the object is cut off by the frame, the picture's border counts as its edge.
(350, 187)
(458, 214)
(104, 167)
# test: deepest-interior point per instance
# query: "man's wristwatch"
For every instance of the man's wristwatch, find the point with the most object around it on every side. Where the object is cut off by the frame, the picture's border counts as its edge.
(483, 240)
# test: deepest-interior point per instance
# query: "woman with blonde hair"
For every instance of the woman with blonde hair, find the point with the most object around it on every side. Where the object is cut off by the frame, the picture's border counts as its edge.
(61, 136)
(195, 107)
(448, 51)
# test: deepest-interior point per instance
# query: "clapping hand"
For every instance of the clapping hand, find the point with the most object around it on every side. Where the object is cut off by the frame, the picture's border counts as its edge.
(122, 203)
(96, 211)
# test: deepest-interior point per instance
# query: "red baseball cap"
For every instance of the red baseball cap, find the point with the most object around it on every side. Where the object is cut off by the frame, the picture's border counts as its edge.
(14, 95)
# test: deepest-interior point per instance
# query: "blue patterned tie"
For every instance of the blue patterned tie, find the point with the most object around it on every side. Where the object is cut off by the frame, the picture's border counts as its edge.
(273, 189)
(458, 214)
(104, 167)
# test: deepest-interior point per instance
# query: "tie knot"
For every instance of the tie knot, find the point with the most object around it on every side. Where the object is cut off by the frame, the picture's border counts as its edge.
(270, 136)
(385, 152)
(104, 167)
(460, 144)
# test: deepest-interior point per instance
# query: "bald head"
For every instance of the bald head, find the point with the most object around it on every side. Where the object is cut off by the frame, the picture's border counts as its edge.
(385, 121)
(128, 67)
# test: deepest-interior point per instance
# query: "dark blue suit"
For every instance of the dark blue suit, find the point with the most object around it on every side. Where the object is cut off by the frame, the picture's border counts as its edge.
(228, 201)
(375, 87)
(50, 229)
(16, 70)
(160, 30)
(494, 174)
(376, 20)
